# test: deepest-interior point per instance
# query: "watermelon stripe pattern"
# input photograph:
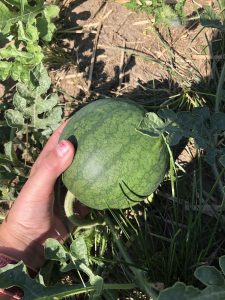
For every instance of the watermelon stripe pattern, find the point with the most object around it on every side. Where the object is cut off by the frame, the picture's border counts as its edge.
(115, 165)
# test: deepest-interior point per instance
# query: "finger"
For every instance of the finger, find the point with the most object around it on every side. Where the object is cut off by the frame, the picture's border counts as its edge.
(39, 187)
(50, 145)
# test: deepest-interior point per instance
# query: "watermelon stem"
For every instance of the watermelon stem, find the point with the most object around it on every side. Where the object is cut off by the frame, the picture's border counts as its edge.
(78, 222)
(139, 277)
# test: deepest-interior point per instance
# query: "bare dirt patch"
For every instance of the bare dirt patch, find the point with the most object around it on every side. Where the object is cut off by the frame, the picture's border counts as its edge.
(117, 51)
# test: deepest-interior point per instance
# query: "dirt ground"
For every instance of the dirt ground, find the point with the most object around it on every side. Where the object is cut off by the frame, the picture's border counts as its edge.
(116, 51)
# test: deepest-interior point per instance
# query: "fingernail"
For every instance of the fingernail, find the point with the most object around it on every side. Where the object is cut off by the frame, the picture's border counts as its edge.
(62, 148)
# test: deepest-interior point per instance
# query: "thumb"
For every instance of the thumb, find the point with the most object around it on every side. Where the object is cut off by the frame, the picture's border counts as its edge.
(41, 183)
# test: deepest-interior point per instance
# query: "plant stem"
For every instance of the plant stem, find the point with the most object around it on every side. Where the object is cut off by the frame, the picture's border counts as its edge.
(72, 217)
(219, 96)
(218, 181)
(141, 281)
(60, 292)
(219, 91)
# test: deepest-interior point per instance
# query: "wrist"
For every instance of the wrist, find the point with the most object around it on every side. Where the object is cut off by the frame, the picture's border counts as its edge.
(31, 254)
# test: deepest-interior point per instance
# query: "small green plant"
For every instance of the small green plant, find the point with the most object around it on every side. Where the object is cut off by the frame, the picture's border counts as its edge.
(22, 27)
(76, 258)
(199, 124)
(34, 116)
(32, 112)
(25, 27)
(162, 12)
(209, 276)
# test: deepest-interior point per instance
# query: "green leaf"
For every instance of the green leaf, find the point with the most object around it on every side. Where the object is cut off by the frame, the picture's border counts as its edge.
(47, 104)
(222, 263)
(51, 11)
(179, 291)
(5, 176)
(11, 51)
(18, 3)
(54, 117)
(218, 122)
(40, 79)
(14, 118)
(201, 112)
(23, 90)
(29, 105)
(29, 33)
(44, 23)
(55, 251)
(168, 115)
(97, 282)
(209, 18)
(211, 293)
(7, 17)
(209, 275)
(5, 68)
(23, 106)
(151, 125)
(20, 72)
(79, 250)
(11, 154)
(16, 275)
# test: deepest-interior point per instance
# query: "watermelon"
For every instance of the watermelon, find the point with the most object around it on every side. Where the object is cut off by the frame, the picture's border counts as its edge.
(116, 165)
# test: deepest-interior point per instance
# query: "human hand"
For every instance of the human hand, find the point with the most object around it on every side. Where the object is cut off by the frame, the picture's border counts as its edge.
(32, 220)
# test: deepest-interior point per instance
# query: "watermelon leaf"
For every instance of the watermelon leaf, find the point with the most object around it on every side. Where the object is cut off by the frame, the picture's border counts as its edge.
(26, 24)
(31, 108)
(179, 291)
(55, 251)
(152, 125)
(74, 259)
(44, 23)
(209, 276)
(199, 124)
(79, 250)
(17, 275)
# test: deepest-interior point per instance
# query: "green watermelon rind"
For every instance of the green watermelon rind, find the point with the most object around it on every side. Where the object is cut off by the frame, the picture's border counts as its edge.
(115, 165)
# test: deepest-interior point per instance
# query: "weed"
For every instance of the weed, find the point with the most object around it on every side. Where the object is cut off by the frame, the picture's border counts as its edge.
(162, 12)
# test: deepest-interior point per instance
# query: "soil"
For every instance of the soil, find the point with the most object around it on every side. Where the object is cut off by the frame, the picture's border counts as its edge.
(114, 51)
